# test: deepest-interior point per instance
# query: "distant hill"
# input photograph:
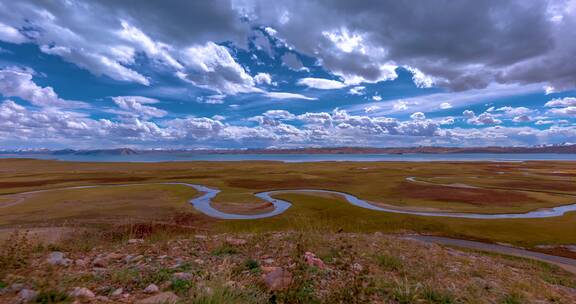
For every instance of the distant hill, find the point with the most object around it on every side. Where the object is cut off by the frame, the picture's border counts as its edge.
(121, 151)
(559, 149)
(564, 149)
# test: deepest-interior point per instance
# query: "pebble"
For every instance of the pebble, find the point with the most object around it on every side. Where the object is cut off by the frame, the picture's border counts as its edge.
(357, 267)
(186, 276)
(81, 262)
(236, 242)
(99, 262)
(27, 295)
(16, 287)
(161, 298)
(152, 288)
(82, 292)
(116, 293)
(135, 241)
(58, 258)
(276, 278)
(312, 260)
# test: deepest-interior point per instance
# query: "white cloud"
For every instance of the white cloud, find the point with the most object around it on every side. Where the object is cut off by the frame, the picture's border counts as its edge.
(212, 99)
(469, 114)
(418, 116)
(445, 105)
(357, 90)
(377, 98)
(514, 111)
(211, 66)
(16, 82)
(522, 118)
(10, 34)
(263, 78)
(544, 122)
(371, 109)
(155, 50)
(400, 105)
(279, 114)
(135, 105)
(385, 72)
(420, 79)
(98, 64)
(270, 31)
(561, 102)
(285, 95)
(567, 111)
(447, 121)
(322, 84)
(482, 119)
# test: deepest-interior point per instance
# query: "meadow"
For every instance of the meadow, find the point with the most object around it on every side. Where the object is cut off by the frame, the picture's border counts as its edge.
(132, 234)
(502, 188)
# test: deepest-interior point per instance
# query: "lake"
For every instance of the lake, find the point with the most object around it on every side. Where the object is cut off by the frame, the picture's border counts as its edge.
(301, 157)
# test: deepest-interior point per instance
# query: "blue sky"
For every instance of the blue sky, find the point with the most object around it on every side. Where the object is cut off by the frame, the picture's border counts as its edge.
(255, 74)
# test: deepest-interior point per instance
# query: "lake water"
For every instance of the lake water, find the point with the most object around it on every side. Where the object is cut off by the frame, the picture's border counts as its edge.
(300, 157)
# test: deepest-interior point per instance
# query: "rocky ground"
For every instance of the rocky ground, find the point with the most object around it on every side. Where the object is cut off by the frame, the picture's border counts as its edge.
(282, 267)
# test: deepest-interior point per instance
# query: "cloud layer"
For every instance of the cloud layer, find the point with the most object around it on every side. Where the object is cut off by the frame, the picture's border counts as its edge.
(287, 73)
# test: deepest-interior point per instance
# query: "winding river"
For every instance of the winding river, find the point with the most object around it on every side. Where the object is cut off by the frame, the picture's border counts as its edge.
(203, 203)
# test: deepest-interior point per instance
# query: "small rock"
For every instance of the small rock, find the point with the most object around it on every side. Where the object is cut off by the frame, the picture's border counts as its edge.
(114, 256)
(133, 259)
(27, 295)
(16, 287)
(82, 292)
(199, 261)
(99, 262)
(58, 258)
(161, 298)
(152, 288)
(116, 293)
(185, 276)
(81, 262)
(268, 261)
(102, 298)
(276, 278)
(312, 260)
(357, 267)
(200, 237)
(135, 241)
(230, 284)
(236, 242)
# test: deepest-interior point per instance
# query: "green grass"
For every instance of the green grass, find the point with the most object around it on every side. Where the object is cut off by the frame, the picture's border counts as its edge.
(310, 213)
(52, 297)
(252, 265)
(389, 262)
(383, 182)
(513, 299)
(181, 287)
(104, 204)
(224, 249)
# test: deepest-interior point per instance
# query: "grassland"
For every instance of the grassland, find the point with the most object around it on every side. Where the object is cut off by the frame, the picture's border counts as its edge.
(507, 187)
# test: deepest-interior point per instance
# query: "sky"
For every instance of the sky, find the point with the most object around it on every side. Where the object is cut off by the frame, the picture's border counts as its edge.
(232, 74)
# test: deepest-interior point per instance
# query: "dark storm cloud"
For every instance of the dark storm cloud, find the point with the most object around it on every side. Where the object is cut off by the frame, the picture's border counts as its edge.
(464, 44)
(176, 22)
(183, 22)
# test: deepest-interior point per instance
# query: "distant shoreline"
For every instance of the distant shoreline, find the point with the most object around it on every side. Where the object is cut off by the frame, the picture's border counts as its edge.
(296, 157)
(556, 149)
